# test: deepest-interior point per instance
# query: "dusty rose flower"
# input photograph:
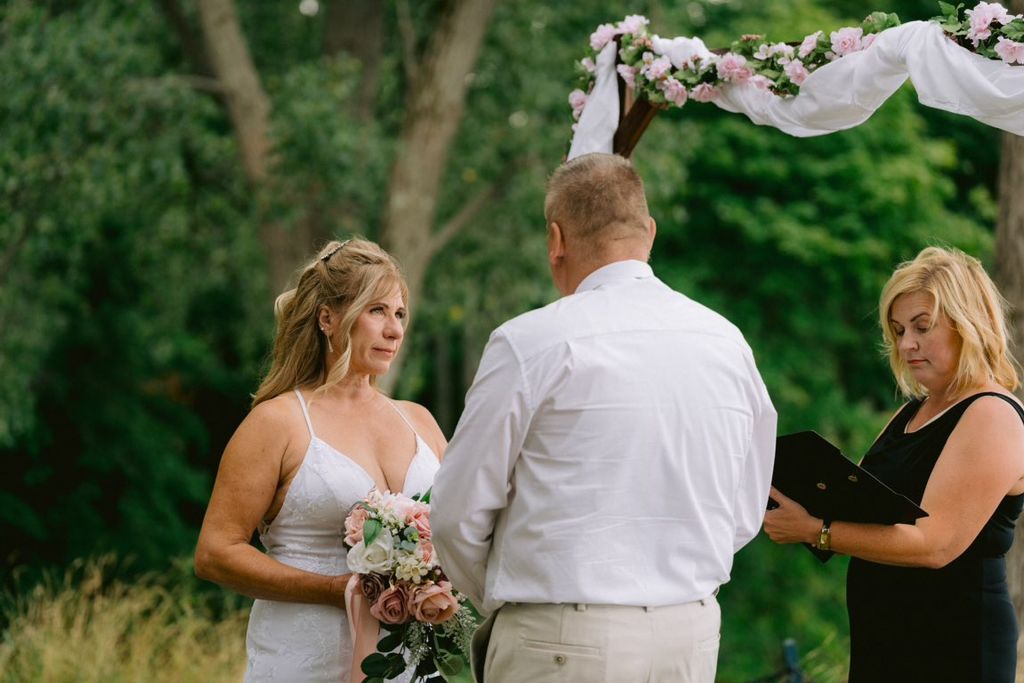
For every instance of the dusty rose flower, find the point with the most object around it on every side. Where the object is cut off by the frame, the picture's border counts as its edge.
(868, 41)
(602, 36)
(796, 71)
(705, 92)
(354, 525)
(847, 40)
(733, 67)
(433, 603)
(810, 44)
(588, 64)
(372, 586)
(1010, 51)
(390, 607)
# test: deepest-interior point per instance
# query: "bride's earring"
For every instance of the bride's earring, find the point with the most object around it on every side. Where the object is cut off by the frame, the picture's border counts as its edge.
(330, 347)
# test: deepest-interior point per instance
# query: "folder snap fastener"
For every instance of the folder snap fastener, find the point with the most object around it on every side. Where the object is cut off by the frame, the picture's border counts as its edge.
(559, 659)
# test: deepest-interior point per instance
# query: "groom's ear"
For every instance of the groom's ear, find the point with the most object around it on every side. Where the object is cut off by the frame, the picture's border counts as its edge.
(556, 244)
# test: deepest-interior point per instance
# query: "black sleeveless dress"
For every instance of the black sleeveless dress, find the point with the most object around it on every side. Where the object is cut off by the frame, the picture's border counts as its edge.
(951, 624)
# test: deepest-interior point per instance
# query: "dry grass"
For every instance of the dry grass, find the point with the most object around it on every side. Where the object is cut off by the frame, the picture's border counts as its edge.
(87, 629)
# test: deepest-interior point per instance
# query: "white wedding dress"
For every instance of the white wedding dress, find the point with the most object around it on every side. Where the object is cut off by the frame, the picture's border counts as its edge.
(289, 642)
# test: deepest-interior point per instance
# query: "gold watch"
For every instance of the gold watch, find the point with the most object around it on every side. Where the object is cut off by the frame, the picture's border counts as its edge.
(825, 535)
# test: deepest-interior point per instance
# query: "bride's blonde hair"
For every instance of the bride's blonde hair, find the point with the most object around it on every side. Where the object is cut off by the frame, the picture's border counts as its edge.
(345, 276)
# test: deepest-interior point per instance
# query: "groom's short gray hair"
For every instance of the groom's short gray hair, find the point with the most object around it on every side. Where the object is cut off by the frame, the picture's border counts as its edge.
(597, 197)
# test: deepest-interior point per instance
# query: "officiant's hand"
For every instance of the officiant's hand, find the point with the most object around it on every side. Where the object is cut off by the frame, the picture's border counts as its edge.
(790, 522)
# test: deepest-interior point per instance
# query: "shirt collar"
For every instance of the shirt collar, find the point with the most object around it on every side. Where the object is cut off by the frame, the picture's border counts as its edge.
(615, 272)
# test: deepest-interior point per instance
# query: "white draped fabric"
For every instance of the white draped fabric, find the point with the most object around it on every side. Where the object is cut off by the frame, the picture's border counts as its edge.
(844, 93)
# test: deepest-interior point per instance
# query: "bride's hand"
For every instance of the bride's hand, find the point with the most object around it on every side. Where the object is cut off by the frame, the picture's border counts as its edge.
(790, 522)
(364, 627)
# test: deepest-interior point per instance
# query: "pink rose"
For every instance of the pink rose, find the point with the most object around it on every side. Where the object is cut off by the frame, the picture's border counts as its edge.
(427, 550)
(733, 67)
(578, 100)
(982, 17)
(705, 92)
(810, 44)
(846, 40)
(868, 41)
(419, 519)
(634, 23)
(760, 82)
(628, 74)
(390, 607)
(433, 603)
(1010, 51)
(655, 68)
(354, 525)
(588, 64)
(796, 71)
(675, 92)
(604, 34)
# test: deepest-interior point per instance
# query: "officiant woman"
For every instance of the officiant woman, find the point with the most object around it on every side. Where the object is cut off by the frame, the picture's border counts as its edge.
(929, 601)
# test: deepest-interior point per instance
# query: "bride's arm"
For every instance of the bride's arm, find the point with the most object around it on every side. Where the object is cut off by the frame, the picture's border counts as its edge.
(243, 492)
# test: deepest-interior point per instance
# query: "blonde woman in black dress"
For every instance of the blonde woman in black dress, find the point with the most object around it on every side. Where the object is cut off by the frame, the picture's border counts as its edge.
(929, 601)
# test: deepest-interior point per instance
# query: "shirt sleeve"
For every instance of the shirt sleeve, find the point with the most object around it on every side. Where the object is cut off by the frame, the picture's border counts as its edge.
(472, 486)
(755, 485)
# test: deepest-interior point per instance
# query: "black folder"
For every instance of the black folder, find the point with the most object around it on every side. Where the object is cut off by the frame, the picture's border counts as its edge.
(814, 473)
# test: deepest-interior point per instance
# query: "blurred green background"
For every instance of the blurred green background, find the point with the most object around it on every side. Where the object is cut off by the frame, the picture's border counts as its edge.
(136, 290)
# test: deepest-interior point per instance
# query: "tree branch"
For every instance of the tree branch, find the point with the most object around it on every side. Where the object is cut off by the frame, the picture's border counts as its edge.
(463, 217)
(191, 44)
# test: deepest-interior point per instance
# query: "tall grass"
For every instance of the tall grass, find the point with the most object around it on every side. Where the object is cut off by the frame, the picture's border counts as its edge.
(87, 628)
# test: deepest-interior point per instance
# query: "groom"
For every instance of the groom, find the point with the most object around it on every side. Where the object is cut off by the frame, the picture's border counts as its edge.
(615, 451)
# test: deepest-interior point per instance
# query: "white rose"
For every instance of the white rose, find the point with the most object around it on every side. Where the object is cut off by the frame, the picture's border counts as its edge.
(377, 558)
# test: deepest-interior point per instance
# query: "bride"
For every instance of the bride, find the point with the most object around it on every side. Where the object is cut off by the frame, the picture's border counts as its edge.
(319, 437)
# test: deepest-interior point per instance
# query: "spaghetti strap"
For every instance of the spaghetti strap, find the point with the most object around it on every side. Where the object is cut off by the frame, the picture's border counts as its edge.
(404, 418)
(305, 413)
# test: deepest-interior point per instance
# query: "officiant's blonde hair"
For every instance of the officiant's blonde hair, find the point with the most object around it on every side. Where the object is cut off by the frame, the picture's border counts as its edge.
(962, 291)
(597, 197)
(345, 276)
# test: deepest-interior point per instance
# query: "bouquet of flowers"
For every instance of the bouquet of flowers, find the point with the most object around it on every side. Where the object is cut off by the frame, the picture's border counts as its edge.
(430, 626)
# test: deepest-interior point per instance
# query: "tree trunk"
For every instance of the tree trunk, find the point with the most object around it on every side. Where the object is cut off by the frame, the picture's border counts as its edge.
(357, 27)
(1010, 278)
(1009, 273)
(431, 120)
(249, 110)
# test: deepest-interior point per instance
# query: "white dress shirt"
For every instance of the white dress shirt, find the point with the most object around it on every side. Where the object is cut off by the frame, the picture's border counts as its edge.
(616, 448)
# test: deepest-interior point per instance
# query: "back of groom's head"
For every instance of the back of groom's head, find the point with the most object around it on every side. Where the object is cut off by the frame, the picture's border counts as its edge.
(597, 198)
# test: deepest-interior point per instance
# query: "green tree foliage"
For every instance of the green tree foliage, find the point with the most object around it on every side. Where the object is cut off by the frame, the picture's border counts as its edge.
(129, 272)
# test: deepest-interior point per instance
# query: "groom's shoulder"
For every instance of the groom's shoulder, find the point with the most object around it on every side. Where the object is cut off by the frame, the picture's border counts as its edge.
(535, 330)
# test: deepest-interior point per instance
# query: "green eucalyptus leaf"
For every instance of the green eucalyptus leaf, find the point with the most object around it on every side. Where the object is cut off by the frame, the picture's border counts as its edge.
(371, 529)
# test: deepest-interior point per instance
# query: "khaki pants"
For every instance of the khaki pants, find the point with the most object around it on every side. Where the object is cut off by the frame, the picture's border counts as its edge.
(527, 643)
